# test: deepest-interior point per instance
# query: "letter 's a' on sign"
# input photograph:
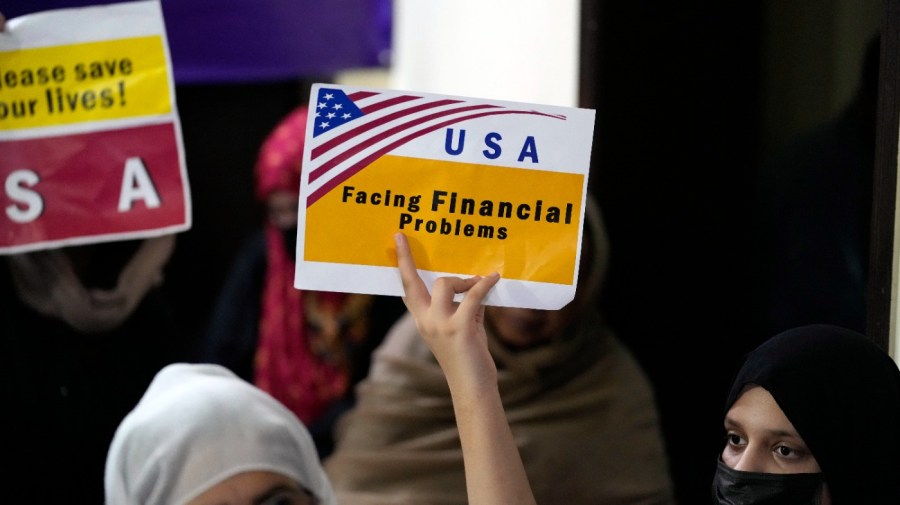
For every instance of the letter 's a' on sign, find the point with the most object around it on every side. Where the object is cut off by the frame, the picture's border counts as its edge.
(102, 82)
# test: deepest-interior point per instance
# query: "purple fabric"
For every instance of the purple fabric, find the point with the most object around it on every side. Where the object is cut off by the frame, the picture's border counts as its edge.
(215, 41)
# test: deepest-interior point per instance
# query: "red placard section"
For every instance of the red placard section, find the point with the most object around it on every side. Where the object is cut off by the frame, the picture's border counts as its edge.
(91, 187)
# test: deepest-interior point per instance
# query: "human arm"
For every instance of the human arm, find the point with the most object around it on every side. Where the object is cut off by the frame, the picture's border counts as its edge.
(455, 334)
(143, 272)
(47, 282)
(145, 269)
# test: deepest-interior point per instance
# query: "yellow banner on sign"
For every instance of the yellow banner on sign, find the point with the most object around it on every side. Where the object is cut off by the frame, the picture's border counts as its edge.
(83, 82)
(521, 223)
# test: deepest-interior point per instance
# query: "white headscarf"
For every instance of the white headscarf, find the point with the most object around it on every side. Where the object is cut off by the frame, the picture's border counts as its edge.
(198, 425)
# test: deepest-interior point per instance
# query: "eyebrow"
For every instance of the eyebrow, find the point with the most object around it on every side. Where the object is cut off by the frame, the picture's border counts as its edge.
(731, 423)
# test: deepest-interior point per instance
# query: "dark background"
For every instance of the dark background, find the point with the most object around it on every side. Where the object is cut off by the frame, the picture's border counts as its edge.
(693, 99)
(677, 142)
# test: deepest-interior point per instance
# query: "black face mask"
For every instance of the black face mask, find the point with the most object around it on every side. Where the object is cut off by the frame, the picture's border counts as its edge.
(732, 487)
(289, 237)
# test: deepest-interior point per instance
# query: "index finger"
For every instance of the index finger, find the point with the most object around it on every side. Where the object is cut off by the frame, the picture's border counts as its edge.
(416, 293)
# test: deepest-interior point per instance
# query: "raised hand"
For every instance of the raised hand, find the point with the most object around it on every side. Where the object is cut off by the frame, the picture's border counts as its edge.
(453, 331)
(456, 335)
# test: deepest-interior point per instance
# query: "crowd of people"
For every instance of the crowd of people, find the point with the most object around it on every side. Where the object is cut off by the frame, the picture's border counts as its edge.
(302, 397)
(808, 420)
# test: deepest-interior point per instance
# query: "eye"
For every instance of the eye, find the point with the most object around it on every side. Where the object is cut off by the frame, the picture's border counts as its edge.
(289, 497)
(735, 445)
(788, 452)
(735, 440)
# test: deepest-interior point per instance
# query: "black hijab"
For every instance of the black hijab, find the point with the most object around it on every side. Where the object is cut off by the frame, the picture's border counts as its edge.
(842, 394)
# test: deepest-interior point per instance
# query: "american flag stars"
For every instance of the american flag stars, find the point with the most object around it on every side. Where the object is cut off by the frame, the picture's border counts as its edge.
(333, 109)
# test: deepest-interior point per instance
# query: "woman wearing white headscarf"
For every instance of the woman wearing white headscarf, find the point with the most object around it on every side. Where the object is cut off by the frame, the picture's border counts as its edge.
(202, 435)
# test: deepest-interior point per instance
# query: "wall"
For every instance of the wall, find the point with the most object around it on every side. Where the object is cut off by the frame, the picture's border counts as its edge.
(519, 50)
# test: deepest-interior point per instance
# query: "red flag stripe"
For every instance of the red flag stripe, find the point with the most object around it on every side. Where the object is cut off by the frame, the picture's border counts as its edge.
(375, 107)
(344, 155)
(353, 132)
(356, 167)
(359, 95)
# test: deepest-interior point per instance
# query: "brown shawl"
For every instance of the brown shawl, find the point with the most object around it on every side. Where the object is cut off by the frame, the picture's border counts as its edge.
(581, 410)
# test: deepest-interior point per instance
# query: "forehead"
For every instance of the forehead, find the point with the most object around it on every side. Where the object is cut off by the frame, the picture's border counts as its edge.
(756, 410)
(253, 487)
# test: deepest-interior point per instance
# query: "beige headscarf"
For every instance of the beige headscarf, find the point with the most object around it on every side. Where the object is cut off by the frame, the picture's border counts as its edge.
(198, 425)
(581, 410)
(47, 281)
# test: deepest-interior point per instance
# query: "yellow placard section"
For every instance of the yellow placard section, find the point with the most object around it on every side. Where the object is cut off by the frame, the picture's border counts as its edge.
(459, 217)
(83, 82)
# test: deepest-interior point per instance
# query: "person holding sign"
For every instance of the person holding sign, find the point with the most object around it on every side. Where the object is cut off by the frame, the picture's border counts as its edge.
(809, 419)
(572, 392)
(88, 225)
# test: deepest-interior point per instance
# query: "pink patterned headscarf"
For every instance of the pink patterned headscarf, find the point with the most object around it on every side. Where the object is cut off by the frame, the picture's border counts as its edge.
(299, 357)
(281, 155)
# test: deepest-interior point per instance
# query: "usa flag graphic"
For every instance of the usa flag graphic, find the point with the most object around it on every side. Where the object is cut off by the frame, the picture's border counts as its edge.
(353, 129)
